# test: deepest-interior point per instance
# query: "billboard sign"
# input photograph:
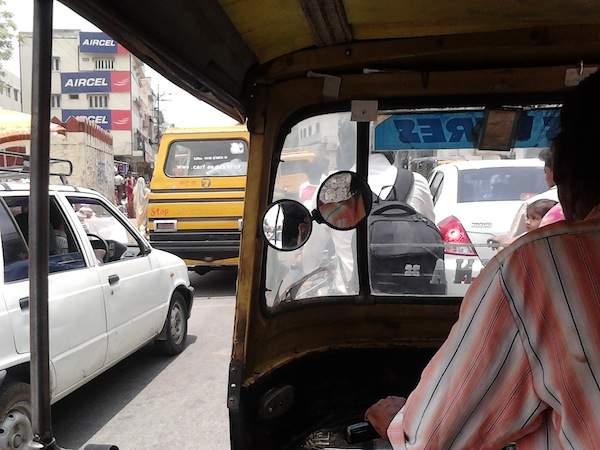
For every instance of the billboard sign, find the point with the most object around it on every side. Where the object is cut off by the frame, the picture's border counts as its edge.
(115, 119)
(120, 81)
(99, 43)
(101, 117)
(95, 81)
(121, 119)
(458, 130)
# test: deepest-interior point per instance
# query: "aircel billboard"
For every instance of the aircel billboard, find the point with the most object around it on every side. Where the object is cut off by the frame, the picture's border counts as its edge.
(95, 81)
(109, 119)
(99, 43)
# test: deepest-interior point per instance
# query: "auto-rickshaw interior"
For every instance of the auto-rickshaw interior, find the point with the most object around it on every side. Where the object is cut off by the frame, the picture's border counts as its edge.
(338, 320)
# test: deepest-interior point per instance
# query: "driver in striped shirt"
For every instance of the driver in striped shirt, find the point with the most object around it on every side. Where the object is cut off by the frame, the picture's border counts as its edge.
(522, 363)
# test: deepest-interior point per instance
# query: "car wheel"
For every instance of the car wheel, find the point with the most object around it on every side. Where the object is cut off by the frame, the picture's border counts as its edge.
(16, 431)
(175, 333)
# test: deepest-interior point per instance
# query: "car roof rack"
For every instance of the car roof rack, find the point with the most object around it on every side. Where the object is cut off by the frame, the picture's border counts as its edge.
(23, 170)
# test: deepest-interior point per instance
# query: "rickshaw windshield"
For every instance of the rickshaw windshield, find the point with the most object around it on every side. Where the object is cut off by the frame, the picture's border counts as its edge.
(442, 208)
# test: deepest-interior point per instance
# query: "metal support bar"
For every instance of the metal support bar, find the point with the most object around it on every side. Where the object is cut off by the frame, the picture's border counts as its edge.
(362, 240)
(38, 225)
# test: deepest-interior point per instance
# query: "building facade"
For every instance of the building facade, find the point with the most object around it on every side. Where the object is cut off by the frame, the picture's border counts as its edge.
(10, 91)
(95, 77)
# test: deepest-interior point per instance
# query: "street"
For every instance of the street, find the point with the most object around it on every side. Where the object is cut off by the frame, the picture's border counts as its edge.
(151, 402)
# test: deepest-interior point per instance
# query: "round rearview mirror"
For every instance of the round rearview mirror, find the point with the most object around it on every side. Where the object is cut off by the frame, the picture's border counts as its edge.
(287, 225)
(344, 200)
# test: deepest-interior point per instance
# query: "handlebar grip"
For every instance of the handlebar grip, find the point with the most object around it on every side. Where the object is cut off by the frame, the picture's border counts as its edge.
(360, 432)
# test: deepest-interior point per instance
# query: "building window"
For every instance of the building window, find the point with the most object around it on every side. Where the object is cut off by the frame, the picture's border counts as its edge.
(55, 63)
(317, 128)
(55, 101)
(104, 63)
(98, 101)
(16, 92)
(74, 96)
(7, 91)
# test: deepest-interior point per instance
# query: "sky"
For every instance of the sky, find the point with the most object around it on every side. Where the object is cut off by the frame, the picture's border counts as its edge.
(179, 107)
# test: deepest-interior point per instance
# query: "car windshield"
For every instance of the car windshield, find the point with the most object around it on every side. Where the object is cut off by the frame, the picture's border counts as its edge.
(496, 184)
(207, 158)
(441, 207)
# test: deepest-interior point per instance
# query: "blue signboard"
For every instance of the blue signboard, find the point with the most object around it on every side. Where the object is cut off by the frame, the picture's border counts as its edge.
(458, 129)
(96, 43)
(77, 82)
(101, 117)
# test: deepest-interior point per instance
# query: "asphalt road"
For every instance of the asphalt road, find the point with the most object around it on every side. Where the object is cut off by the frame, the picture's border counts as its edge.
(151, 402)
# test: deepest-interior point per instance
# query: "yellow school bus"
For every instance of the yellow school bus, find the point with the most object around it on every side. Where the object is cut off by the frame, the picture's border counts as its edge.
(197, 199)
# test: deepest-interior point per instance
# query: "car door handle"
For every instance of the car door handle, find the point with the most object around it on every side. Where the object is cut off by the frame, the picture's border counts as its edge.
(113, 279)
(24, 303)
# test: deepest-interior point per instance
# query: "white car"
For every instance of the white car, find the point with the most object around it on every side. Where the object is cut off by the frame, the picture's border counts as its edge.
(473, 202)
(110, 293)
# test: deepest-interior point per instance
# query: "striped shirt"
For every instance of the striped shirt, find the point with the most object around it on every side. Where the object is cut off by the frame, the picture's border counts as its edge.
(522, 363)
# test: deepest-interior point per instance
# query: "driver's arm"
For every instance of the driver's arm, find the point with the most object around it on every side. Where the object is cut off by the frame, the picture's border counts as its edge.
(477, 391)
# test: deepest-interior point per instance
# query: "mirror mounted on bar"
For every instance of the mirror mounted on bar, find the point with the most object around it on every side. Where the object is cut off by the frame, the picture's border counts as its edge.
(25, 168)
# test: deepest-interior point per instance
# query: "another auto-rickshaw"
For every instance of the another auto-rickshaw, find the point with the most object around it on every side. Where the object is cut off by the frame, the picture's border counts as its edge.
(315, 342)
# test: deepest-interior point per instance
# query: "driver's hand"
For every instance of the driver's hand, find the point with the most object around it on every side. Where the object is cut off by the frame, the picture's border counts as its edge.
(381, 414)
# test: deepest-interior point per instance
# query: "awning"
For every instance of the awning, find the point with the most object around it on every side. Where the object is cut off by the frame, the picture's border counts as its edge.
(16, 126)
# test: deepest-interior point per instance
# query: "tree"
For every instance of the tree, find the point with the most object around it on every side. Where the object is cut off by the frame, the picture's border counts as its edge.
(7, 33)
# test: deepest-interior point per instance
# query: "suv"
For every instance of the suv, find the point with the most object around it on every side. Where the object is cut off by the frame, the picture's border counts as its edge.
(110, 293)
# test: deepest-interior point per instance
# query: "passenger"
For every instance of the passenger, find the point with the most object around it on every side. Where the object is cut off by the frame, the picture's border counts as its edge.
(546, 156)
(536, 212)
(58, 234)
(522, 363)
(518, 227)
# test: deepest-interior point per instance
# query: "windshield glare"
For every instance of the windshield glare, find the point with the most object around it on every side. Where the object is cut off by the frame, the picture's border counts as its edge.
(441, 208)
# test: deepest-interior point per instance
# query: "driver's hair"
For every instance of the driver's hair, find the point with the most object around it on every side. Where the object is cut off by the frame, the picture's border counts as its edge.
(292, 218)
(577, 147)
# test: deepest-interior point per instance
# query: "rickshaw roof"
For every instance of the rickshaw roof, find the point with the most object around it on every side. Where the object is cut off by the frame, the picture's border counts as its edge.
(217, 49)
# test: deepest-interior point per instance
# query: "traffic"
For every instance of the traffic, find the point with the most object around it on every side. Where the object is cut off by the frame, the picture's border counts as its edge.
(410, 199)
